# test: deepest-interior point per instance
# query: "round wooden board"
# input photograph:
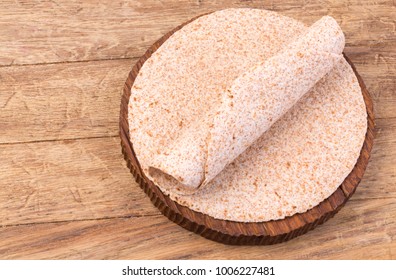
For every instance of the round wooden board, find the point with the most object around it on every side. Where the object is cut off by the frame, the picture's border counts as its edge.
(238, 233)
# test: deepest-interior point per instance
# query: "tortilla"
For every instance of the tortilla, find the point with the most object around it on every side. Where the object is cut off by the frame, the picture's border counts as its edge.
(282, 170)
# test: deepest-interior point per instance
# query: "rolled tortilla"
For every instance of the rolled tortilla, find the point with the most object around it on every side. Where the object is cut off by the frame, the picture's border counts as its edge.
(254, 101)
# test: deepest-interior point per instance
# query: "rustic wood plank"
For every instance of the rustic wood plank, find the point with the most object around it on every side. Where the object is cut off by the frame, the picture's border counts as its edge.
(61, 101)
(87, 179)
(360, 231)
(67, 180)
(61, 180)
(83, 99)
(47, 31)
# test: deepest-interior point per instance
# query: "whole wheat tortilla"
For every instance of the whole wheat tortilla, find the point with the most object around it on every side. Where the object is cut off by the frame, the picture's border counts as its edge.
(253, 102)
(298, 162)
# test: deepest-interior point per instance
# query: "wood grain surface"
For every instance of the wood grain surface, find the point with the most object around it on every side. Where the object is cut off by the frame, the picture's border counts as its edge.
(65, 191)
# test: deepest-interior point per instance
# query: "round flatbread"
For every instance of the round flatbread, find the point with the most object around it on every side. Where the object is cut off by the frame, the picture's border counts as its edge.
(297, 163)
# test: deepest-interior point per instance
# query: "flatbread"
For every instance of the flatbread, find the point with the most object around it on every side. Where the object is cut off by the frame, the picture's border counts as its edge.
(252, 103)
(293, 166)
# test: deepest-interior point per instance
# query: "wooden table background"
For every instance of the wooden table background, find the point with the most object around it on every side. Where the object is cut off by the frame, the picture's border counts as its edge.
(65, 191)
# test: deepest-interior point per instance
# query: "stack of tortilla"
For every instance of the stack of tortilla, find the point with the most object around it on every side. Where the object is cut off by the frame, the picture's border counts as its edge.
(247, 115)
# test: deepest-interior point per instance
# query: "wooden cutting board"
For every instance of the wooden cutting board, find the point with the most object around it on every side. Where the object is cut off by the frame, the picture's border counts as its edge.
(230, 232)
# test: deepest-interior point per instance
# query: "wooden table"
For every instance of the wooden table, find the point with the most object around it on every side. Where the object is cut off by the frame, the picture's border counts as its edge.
(65, 191)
